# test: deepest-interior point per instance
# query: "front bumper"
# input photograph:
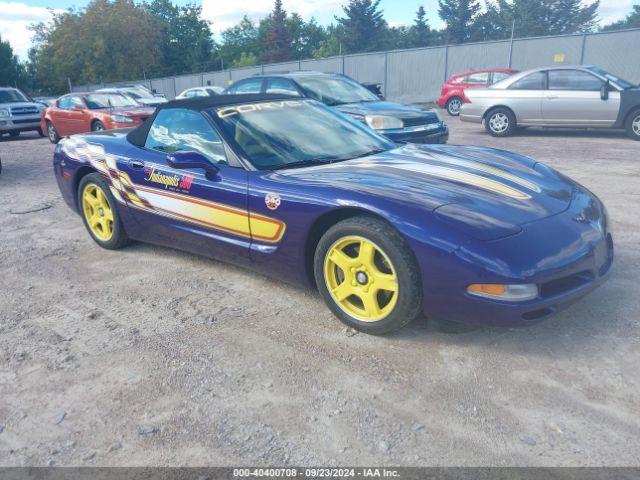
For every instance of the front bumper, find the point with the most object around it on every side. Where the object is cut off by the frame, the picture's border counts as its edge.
(471, 112)
(8, 124)
(567, 255)
(434, 133)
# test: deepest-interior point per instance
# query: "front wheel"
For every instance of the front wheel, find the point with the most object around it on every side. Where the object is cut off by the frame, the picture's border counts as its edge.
(52, 133)
(40, 132)
(97, 126)
(500, 122)
(633, 125)
(99, 213)
(368, 276)
(453, 106)
(14, 133)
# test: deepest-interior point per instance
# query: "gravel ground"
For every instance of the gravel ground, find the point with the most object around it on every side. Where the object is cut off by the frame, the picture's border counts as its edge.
(150, 356)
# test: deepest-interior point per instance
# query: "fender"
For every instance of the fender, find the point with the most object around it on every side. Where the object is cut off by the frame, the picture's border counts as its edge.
(629, 101)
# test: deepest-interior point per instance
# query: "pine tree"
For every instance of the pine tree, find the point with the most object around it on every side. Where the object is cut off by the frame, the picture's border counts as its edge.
(420, 33)
(364, 27)
(277, 47)
(459, 16)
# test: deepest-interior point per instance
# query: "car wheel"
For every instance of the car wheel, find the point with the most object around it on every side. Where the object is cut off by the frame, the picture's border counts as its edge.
(52, 133)
(100, 214)
(40, 132)
(14, 133)
(368, 276)
(97, 126)
(453, 106)
(500, 122)
(633, 125)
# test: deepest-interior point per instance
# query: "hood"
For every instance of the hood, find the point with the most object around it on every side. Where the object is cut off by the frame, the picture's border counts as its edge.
(486, 193)
(132, 111)
(21, 105)
(152, 101)
(397, 110)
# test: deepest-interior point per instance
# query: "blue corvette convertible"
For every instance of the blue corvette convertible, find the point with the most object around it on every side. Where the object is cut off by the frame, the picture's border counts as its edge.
(296, 190)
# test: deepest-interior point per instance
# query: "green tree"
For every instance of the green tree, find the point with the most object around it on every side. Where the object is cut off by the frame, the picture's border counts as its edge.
(187, 43)
(534, 18)
(363, 28)
(245, 60)
(278, 41)
(632, 21)
(420, 34)
(306, 37)
(238, 40)
(9, 65)
(458, 16)
(107, 41)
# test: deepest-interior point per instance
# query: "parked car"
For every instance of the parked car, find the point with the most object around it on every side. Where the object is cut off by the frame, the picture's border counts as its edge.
(209, 91)
(138, 93)
(574, 97)
(452, 96)
(294, 189)
(87, 112)
(18, 113)
(398, 122)
(45, 101)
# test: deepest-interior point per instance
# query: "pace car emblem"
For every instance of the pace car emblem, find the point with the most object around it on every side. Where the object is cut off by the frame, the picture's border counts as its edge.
(272, 200)
(169, 180)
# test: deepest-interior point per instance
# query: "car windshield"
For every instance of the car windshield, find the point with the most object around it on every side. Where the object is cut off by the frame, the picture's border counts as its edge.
(335, 90)
(276, 135)
(12, 95)
(138, 93)
(622, 83)
(106, 100)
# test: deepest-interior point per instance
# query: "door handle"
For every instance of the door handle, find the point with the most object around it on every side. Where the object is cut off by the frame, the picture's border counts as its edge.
(136, 165)
(552, 97)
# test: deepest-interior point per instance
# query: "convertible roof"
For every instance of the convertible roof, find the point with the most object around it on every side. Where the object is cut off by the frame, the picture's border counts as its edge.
(138, 136)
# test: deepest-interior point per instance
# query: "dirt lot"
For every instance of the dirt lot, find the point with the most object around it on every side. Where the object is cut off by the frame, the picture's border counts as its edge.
(150, 356)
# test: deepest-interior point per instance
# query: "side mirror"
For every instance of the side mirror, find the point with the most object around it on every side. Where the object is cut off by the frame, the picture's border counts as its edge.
(604, 91)
(188, 159)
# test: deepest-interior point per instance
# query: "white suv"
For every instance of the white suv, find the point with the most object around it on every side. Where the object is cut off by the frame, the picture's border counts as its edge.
(18, 113)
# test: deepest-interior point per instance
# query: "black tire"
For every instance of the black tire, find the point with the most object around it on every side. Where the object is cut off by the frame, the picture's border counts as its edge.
(40, 132)
(119, 238)
(453, 106)
(97, 126)
(408, 304)
(14, 133)
(52, 133)
(500, 122)
(632, 125)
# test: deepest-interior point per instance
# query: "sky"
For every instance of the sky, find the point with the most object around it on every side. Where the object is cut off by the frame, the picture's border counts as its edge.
(16, 16)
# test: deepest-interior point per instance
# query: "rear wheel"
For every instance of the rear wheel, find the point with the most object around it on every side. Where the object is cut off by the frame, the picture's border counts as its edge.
(97, 126)
(633, 125)
(99, 213)
(368, 276)
(52, 133)
(500, 122)
(453, 106)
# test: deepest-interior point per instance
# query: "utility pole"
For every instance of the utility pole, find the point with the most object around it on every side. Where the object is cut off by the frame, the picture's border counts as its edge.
(513, 29)
(69, 82)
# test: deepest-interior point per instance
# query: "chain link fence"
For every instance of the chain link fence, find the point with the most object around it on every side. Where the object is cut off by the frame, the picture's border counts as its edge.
(417, 75)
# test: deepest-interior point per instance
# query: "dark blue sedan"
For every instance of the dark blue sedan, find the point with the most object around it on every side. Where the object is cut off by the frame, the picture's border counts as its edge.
(298, 191)
(396, 121)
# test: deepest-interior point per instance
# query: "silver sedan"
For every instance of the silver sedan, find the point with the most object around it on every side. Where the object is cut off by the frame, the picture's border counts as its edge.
(573, 97)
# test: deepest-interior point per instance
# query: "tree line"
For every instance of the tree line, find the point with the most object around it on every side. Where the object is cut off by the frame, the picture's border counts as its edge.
(114, 40)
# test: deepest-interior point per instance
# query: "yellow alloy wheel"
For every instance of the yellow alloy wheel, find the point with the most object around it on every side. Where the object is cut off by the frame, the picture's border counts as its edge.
(361, 278)
(97, 212)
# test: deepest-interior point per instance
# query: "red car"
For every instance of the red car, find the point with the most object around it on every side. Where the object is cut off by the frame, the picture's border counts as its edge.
(452, 96)
(91, 112)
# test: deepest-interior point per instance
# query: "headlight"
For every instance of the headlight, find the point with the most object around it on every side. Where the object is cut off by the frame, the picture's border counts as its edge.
(382, 122)
(510, 293)
(4, 113)
(121, 119)
(357, 118)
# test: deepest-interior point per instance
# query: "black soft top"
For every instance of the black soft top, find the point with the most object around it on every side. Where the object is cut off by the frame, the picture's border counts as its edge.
(138, 136)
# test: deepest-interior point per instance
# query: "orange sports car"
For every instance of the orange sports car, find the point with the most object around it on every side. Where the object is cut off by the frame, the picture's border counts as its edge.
(91, 112)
